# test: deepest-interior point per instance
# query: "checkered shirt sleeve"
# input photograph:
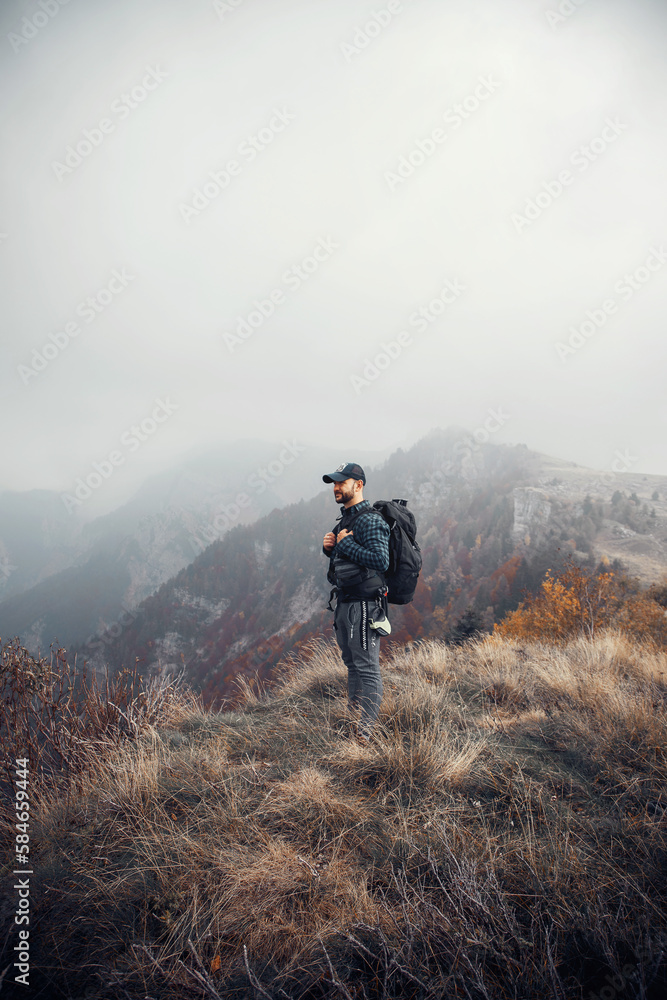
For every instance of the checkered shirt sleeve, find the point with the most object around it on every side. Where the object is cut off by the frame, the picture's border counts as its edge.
(369, 544)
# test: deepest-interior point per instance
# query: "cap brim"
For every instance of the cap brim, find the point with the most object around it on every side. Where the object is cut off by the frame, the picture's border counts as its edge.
(335, 477)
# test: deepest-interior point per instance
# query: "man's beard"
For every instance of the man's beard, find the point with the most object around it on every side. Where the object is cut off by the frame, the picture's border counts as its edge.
(344, 497)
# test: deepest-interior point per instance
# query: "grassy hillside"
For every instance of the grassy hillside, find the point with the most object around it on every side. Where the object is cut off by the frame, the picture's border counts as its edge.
(503, 835)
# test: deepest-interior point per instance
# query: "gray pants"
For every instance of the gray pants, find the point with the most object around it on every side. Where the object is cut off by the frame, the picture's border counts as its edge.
(360, 650)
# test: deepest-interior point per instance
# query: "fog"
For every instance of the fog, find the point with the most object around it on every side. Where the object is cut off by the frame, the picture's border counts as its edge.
(331, 222)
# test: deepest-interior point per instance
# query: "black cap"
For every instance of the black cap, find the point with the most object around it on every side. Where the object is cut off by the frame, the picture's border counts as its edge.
(343, 472)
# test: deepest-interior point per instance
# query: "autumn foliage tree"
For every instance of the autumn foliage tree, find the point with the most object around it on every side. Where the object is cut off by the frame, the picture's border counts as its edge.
(580, 602)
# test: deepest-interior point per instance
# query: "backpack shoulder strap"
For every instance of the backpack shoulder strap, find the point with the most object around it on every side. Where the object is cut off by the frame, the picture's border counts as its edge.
(358, 516)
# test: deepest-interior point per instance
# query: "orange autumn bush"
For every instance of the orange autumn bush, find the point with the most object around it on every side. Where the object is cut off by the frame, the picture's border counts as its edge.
(579, 602)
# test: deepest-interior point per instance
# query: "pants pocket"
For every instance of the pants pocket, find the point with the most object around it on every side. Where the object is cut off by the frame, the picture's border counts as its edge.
(351, 617)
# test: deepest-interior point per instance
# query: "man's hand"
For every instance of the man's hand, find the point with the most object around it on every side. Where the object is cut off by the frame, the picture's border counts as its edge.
(329, 541)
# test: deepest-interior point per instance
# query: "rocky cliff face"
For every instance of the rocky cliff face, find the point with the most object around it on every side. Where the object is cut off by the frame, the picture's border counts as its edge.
(532, 510)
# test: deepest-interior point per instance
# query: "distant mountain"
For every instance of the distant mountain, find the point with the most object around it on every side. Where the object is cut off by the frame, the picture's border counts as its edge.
(38, 538)
(66, 580)
(492, 519)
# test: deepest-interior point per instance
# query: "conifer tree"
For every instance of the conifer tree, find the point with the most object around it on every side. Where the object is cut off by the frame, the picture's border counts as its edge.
(469, 626)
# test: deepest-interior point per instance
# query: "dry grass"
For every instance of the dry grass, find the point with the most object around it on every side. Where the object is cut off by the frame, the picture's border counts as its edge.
(502, 835)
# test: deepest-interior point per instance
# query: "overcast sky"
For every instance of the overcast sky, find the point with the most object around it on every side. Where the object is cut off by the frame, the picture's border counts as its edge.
(426, 213)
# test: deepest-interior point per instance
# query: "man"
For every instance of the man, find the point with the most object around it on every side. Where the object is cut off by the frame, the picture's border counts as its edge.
(358, 550)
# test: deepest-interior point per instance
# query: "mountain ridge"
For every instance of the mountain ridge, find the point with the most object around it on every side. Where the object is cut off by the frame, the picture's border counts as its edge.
(260, 593)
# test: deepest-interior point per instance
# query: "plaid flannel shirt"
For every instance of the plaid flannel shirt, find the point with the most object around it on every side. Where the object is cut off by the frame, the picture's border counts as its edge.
(369, 544)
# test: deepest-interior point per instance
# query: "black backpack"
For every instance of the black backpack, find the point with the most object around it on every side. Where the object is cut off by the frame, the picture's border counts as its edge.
(405, 558)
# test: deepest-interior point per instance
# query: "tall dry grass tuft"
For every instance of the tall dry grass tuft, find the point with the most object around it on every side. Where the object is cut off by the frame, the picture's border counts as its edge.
(503, 835)
(63, 719)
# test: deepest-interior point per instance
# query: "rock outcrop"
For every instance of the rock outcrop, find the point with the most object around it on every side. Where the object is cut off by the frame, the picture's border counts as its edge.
(532, 511)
